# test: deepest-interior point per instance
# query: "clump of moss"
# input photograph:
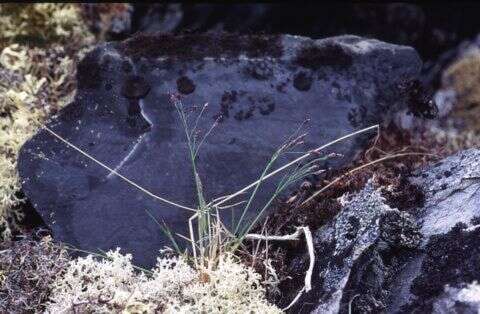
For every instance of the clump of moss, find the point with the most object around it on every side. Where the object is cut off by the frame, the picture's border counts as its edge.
(463, 77)
(27, 269)
(43, 23)
(111, 285)
(461, 81)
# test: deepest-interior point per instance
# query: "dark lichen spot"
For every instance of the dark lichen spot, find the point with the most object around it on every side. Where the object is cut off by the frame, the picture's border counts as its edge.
(185, 85)
(260, 45)
(135, 87)
(249, 112)
(131, 122)
(259, 70)
(89, 71)
(108, 87)
(133, 108)
(281, 86)
(270, 107)
(302, 81)
(228, 98)
(144, 68)
(452, 259)
(244, 115)
(356, 116)
(419, 100)
(399, 230)
(127, 67)
(106, 63)
(404, 195)
(198, 46)
(328, 54)
(239, 115)
(475, 220)
(93, 182)
(352, 228)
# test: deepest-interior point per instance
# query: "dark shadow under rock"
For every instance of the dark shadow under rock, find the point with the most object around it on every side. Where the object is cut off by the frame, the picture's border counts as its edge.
(122, 115)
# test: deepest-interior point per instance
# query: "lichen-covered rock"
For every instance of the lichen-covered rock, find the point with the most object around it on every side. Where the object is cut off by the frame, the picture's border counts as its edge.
(451, 192)
(259, 89)
(450, 260)
(464, 299)
(449, 222)
(419, 260)
(350, 254)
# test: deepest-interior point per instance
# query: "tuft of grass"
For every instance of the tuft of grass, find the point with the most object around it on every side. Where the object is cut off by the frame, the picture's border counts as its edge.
(212, 238)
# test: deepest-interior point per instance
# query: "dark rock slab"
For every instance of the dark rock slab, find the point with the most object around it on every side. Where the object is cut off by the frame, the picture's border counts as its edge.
(260, 88)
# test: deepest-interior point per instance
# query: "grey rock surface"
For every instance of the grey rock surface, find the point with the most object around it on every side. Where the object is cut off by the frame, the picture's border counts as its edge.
(364, 224)
(350, 254)
(424, 260)
(464, 299)
(452, 192)
(260, 88)
(449, 222)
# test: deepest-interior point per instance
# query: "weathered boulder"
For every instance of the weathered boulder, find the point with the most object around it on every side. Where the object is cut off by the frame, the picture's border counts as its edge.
(421, 260)
(350, 253)
(259, 88)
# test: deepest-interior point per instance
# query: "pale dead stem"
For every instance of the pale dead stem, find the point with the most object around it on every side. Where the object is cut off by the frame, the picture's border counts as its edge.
(360, 168)
(311, 252)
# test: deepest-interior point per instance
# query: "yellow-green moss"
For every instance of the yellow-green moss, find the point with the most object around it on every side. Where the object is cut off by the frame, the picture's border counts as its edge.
(462, 130)
(43, 23)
